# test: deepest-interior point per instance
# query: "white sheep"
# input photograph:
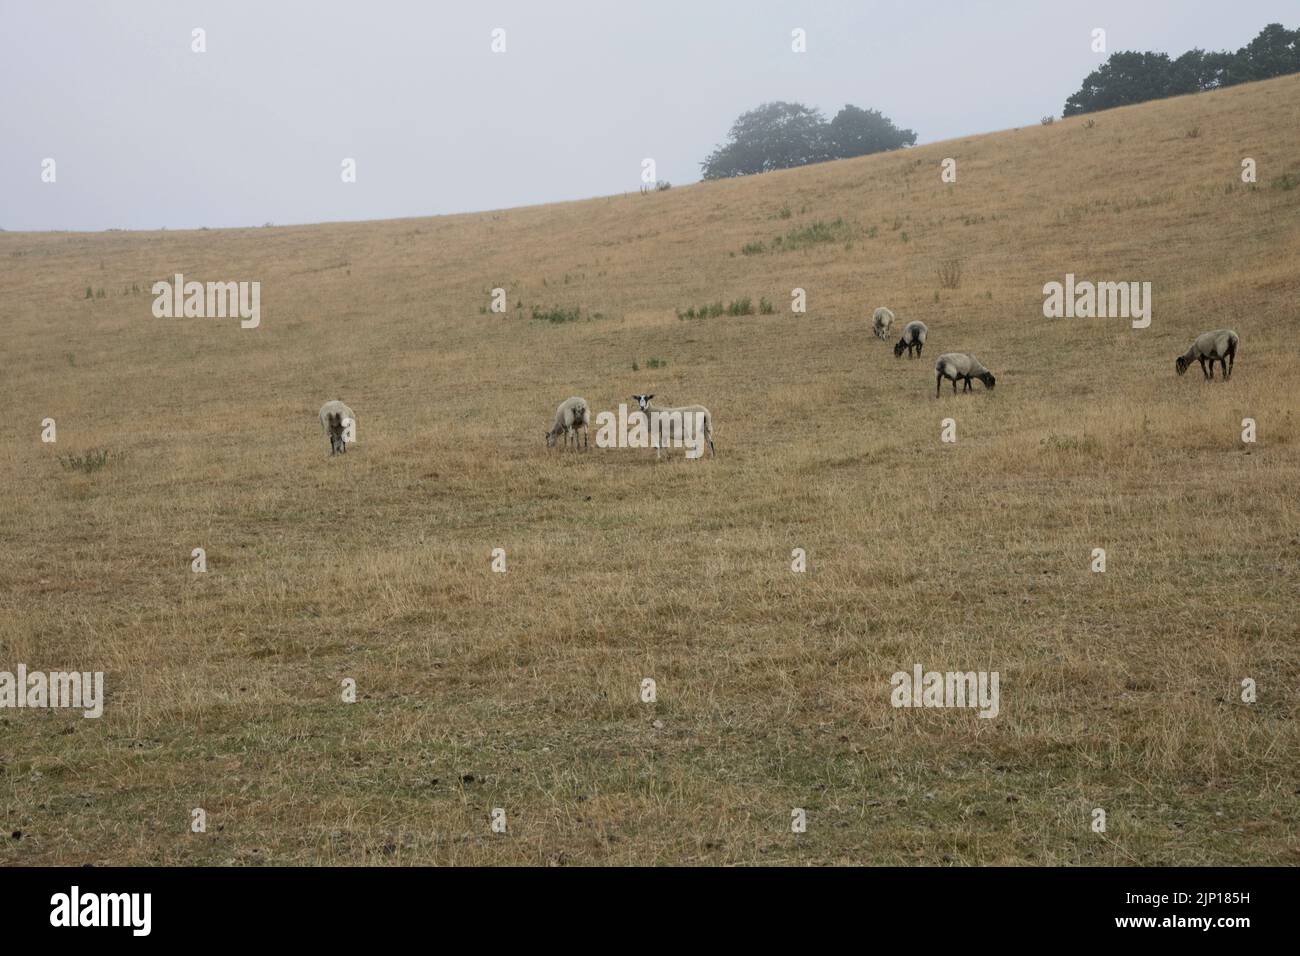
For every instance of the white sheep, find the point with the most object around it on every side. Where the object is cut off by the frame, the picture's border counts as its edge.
(573, 413)
(338, 421)
(963, 365)
(913, 337)
(1217, 346)
(881, 321)
(686, 424)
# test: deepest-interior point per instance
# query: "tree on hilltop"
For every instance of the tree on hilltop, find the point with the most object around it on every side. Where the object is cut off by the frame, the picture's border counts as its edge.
(782, 135)
(1130, 77)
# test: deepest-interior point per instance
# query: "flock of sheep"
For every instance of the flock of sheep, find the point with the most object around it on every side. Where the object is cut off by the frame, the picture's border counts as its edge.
(1209, 347)
(338, 421)
(575, 413)
(950, 365)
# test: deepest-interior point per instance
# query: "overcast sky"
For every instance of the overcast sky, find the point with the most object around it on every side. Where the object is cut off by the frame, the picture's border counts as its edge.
(146, 133)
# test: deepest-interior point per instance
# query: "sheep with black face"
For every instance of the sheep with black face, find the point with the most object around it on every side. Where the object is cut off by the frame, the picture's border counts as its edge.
(914, 334)
(960, 365)
(1217, 346)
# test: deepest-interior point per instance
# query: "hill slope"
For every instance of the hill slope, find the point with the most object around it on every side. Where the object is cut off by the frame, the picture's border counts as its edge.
(479, 690)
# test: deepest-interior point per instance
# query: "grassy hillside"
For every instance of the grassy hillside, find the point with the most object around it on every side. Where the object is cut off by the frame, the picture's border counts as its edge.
(520, 690)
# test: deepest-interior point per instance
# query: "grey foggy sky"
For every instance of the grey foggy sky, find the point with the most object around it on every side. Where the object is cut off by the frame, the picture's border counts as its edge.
(146, 133)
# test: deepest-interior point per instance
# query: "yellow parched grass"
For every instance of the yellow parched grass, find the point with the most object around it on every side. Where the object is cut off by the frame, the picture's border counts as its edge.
(521, 690)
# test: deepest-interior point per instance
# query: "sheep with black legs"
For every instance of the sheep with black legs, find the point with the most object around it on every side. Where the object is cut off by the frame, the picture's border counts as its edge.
(1217, 346)
(338, 421)
(960, 365)
(881, 321)
(914, 334)
(573, 413)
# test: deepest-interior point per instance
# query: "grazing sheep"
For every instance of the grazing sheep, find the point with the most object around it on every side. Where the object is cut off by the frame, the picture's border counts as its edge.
(913, 337)
(573, 413)
(677, 423)
(335, 419)
(881, 321)
(1218, 346)
(963, 365)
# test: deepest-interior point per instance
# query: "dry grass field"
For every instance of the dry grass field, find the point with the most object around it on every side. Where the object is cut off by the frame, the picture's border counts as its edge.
(478, 690)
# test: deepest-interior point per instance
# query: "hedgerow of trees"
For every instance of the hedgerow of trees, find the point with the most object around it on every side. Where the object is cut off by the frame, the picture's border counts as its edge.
(1132, 77)
(782, 135)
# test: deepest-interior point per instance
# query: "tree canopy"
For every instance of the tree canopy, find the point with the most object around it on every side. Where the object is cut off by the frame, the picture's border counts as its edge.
(1131, 77)
(782, 135)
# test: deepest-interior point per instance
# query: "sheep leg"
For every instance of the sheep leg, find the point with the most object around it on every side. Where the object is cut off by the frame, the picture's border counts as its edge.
(1201, 359)
(938, 383)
